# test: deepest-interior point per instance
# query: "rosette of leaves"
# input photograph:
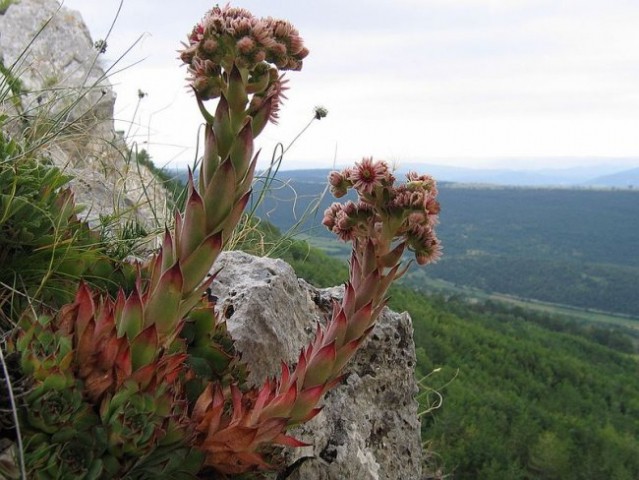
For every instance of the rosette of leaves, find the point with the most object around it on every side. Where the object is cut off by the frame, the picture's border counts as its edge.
(73, 458)
(96, 378)
(58, 407)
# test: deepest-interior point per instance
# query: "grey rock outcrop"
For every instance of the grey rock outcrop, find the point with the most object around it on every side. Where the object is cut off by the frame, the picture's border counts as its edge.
(63, 83)
(369, 429)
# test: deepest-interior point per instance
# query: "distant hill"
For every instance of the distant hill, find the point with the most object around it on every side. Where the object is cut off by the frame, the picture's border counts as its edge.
(599, 175)
(624, 179)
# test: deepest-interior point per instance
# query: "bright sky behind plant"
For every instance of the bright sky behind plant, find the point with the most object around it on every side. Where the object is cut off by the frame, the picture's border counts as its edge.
(457, 82)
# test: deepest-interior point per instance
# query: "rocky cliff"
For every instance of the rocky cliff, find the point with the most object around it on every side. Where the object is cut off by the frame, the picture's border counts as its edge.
(65, 103)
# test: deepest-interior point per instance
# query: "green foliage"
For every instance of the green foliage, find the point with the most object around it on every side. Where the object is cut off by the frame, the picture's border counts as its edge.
(10, 85)
(44, 248)
(518, 381)
(5, 4)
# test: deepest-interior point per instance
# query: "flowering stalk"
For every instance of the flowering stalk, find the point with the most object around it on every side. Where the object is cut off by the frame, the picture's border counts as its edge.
(126, 353)
(385, 222)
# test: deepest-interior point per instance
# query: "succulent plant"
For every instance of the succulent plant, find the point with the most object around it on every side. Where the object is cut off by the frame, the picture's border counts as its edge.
(143, 380)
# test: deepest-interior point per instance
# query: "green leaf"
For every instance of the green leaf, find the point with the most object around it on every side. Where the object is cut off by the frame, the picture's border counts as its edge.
(162, 309)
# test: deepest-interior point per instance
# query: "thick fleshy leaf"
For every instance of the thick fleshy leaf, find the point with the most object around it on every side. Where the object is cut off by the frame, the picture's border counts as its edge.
(131, 319)
(367, 290)
(345, 353)
(194, 225)
(123, 365)
(281, 405)
(238, 408)
(86, 309)
(306, 401)
(203, 402)
(168, 252)
(205, 113)
(162, 307)
(289, 441)
(285, 375)
(97, 384)
(194, 298)
(108, 350)
(265, 394)
(393, 257)
(211, 159)
(337, 327)
(359, 322)
(236, 91)
(234, 217)
(177, 232)
(259, 84)
(369, 261)
(196, 266)
(219, 195)
(85, 347)
(222, 127)
(349, 299)
(156, 271)
(320, 366)
(386, 281)
(312, 414)
(118, 307)
(235, 438)
(262, 116)
(144, 347)
(242, 151)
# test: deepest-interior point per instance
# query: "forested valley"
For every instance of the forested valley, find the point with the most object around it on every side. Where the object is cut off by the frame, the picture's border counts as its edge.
(523, 395)
(576, 247)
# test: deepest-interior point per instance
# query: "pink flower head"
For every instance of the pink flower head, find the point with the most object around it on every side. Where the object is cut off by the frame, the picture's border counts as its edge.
(330, 215)
(245, 45)
(425, 182)
(228, 37)
(367, 175)
(338, 183)
(432, 206)
(344, 226)
(422, 240)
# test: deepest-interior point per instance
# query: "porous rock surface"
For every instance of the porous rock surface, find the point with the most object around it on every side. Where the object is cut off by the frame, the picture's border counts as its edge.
(50, 50)
(369, 429)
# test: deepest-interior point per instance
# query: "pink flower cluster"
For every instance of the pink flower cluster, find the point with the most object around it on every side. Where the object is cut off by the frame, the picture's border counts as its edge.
(385, 212)
(233, 36)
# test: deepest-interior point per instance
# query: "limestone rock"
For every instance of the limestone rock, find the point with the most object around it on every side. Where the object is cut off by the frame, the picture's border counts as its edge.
(50, 50)
(369, 429)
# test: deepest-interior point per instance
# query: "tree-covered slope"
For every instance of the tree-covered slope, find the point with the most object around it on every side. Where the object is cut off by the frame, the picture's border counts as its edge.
(523, 398)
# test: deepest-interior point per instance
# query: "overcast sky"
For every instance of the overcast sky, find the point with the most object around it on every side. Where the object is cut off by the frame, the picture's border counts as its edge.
(457, 82)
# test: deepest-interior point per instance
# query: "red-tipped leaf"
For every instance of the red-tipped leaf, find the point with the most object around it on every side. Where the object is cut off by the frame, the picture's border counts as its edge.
(131, 319)
(196, 266)
(219, 195)
(144, 347)
(320, 366)
(162, 307)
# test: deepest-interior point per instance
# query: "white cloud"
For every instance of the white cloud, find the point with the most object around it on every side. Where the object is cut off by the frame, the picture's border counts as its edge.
(412, 79)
